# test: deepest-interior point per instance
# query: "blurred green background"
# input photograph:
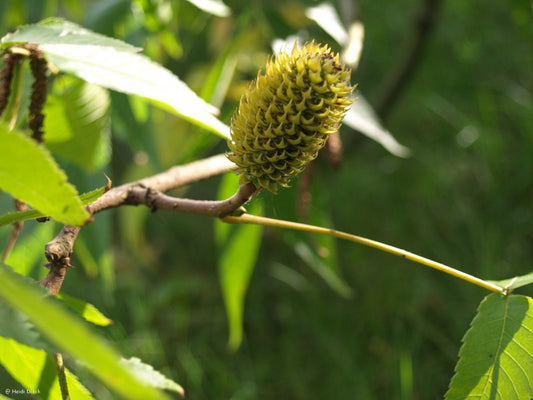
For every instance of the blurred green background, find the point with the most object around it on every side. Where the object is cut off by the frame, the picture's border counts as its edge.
(464, 198)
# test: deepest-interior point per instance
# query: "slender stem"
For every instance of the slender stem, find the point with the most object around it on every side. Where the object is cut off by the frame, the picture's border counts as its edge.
(61, 376)
(17, 227)
(252, 219)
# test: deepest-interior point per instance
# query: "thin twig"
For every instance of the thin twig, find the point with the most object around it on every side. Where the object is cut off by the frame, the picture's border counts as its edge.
(172, 178)
(252, 219)
(17, 227)
(61, 376)
(145, 191)
(157, 200)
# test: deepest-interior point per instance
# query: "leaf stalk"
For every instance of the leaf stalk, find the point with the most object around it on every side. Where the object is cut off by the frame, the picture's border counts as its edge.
(253, 219)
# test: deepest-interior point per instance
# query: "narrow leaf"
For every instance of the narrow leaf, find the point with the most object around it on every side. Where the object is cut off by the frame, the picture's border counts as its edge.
(28, 172)
(362, 118)
(515, 282)
(239, 247)
(86, 198)
(328, 19)
(86, 310)
(10, 218)
(93, 195)
(116, 65)
(73, 337)
(147, 374)
(35, 370)
(330, 275)
(215, 7)
(496, 359)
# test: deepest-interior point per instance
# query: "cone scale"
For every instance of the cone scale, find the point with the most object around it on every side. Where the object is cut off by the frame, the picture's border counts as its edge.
(286, 115)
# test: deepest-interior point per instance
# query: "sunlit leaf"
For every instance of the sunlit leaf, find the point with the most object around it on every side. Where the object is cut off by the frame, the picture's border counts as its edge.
(10, 218)
(326, 16)
(116, 65)
(239, 246)
(353, 49)
(36, 371)
(328, 19)
(515, 282)
(29, 173)
(57, 30)
(86, 310)
(147, 374)
(496, 359)
(362, 118)
(51, 320)
(77, 123)
(86, 198)
(215, 7)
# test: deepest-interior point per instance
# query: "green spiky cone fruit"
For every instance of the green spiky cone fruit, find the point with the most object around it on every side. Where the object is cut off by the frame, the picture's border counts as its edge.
(285, 116)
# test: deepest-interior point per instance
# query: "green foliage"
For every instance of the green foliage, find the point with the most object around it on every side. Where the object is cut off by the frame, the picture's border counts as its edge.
(36, 371)
(496, 359)
(239, 248)
(147, 374)
(54, 322)
(9, 218)
(77, 123)
(463, 197)
(516, 282)
(115, 65)
(86, 310)
(29, 173)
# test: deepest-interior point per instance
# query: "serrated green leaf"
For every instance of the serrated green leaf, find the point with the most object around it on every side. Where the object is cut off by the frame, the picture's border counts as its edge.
(496, 359)
(239, 247)
(57, 30)
(147, 374)
(10, 218)
(93, 195)
(35, 370)
(29, 173)
(86, 310)
(101, 60)
(86, 198)
(515, 282)
(77, 123)
(53, 321)
(16, 326)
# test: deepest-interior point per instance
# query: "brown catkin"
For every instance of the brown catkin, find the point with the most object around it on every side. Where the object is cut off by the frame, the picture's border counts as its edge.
(38, 67)
(6, 76)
